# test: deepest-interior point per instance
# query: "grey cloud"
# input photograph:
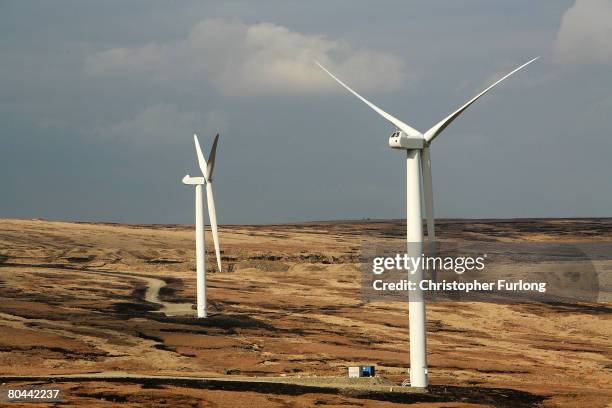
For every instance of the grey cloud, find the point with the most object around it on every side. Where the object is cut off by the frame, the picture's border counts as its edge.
(585, 33)
(164, 123)
(265, 58)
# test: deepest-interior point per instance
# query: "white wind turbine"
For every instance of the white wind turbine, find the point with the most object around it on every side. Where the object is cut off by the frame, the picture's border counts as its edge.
(414, 142)
(207, 171)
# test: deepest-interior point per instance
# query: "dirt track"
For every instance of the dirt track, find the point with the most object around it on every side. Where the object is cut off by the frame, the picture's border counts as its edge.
(153, 287)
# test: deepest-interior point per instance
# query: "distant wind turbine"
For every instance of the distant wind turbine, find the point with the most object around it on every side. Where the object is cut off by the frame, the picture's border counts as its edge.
(418, 160)
(207, 171)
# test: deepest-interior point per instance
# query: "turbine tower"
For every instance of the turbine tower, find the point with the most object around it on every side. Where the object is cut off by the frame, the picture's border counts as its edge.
(206, 179)
(418, 167)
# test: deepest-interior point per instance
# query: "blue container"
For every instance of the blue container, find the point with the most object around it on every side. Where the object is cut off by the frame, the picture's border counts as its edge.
(367, 371)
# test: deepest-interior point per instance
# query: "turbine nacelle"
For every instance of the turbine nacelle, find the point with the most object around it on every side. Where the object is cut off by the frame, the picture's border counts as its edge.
(193, 180)
(400, 140)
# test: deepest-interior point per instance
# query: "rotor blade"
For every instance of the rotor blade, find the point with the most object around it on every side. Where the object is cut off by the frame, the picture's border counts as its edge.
(395, 121)
(429, 210)
(440, 126)
(428, 194)
(211, 157)
(201, 159)
(213, 222)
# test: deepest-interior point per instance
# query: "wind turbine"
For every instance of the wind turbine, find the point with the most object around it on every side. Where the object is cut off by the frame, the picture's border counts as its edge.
(206, 179)
(418, 160)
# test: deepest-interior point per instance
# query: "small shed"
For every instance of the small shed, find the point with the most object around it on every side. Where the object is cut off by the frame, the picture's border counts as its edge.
(361, 371)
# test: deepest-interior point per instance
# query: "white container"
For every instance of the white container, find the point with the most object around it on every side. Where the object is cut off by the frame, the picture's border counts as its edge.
(354, 372)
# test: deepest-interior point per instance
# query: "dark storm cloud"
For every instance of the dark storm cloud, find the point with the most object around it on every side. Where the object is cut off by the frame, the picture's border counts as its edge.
(99, 99)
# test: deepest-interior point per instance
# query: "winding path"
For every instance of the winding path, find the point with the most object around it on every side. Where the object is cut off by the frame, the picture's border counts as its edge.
(154, 285)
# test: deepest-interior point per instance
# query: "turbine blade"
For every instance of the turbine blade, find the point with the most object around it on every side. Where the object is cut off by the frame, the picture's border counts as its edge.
(429, 210)
(213, 221)
(211, 157)
(395, 121)
(440, 126)
(428, 194)
(201, 159)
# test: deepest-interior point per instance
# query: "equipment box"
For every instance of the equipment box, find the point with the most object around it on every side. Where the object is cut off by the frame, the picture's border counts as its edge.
(361, 371)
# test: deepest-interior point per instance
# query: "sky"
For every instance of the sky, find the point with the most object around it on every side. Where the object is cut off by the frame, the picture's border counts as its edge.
(99, 102)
